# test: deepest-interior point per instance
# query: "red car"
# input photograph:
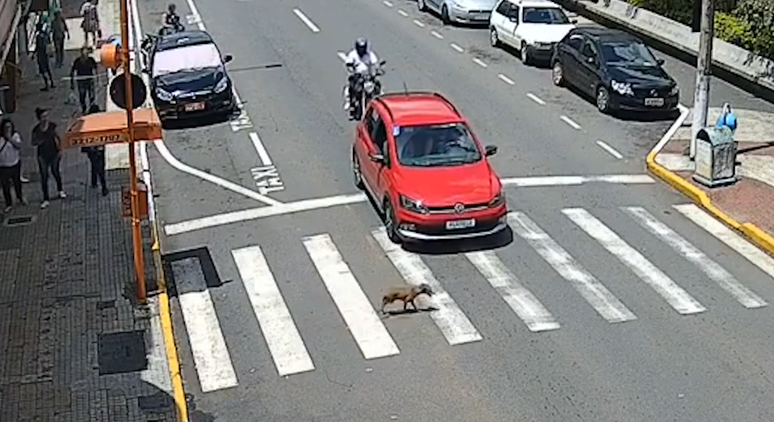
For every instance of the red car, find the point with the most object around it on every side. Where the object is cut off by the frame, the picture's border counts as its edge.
(417, 157)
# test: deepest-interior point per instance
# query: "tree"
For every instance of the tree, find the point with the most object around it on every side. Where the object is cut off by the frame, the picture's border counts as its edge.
(758, 15)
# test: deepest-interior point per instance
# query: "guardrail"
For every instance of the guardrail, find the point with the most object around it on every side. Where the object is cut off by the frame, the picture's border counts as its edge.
(736, 61)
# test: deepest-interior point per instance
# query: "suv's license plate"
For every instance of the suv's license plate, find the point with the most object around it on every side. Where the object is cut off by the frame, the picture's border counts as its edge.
(654, 102)
(460, 224)
(194, 106)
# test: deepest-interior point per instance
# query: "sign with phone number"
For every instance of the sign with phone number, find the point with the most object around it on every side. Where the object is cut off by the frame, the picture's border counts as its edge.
(97, 140)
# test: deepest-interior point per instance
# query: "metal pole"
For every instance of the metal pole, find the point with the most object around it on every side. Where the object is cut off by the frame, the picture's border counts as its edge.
(703, 71)
(139, 264)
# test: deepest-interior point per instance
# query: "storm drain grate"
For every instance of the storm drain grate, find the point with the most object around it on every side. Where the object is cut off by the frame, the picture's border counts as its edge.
(22, 220)
(119, 353)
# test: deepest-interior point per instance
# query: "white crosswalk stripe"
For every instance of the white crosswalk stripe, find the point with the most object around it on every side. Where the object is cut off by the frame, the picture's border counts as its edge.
(595, 293)
(712, 269)
(449, 318)
(521, 300)
(370, 334)
(678, 298)
(373, 337)
(210, 354)
(279, 331)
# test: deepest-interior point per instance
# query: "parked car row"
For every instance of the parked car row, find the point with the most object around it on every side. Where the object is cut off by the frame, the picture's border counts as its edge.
(614, 68)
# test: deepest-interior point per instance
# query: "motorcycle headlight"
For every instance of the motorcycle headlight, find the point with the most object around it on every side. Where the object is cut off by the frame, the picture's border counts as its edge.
(675, 90)
(368, 86)
(413, 205)
(498, 200)
(164, 95)
(622, 88)
(221, 86)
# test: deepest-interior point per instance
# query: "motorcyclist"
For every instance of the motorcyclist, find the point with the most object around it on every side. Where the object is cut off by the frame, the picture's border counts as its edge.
(359, 61)
(170, 19)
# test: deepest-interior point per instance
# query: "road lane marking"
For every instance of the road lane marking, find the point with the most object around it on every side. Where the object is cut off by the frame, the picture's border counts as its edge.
(342, 56)
(678, 298)
(208, 346)
(356, 198)
(402, 13)
(506, 79)
(196, 15)
(449, 318)
(262, 153)
(595, 293)
(535, 98)
(610, 150)
(712, 269)
(225, 184)
(457, 48)
(419, 24)
(386, 3)
(522, 301)
(357, 311)
(308, 22)
(436, 34)
(279, 331)
(570, 122)
(480, 62)
(733, 240)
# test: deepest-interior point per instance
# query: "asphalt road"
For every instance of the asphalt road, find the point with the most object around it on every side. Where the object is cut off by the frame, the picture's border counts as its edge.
(627, 351)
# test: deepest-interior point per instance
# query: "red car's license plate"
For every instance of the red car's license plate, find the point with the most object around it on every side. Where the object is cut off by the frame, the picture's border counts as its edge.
(194, 106)
(460, 224)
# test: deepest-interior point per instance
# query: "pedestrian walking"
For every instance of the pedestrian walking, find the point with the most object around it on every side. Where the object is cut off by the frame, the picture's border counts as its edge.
(48, 144)
(96, 156)
(10, 163)
(90, 23)
(59, 31)
(84, 71)
(42, 52)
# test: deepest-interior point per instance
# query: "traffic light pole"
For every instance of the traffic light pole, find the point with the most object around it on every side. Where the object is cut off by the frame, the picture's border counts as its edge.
(139, 264)
(703, 71)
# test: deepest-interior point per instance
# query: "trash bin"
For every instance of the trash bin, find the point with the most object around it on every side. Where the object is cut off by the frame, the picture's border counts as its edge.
(715, 157)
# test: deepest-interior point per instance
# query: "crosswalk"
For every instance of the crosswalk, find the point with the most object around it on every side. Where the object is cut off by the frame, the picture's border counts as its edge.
(285, 344)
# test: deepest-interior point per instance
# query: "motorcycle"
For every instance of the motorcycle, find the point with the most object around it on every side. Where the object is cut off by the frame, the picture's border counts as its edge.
(175, 27)
(368, 87)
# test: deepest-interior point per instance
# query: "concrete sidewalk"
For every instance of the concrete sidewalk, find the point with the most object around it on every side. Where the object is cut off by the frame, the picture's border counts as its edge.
(748, 202)
(74, 344)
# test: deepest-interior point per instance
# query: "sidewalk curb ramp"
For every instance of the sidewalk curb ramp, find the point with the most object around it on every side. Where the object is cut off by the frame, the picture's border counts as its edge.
(757, 236)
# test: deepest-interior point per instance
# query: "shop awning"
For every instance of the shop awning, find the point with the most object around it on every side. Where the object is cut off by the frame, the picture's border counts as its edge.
(110, 128)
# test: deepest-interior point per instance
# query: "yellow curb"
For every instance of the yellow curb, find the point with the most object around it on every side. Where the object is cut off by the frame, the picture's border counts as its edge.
(166, 328)
(757, 236)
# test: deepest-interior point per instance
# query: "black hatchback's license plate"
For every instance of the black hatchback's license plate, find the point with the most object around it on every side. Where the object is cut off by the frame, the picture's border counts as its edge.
(654, 102)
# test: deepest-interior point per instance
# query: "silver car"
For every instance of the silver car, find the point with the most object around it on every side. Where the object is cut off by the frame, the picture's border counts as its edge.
(460, 11)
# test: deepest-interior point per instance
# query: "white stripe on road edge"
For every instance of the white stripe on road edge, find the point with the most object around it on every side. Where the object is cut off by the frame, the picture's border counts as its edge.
(308, 22)
(342, 56)
(535, 98)
(595, 293)
(225, 184)
(506, 79)
(712, 269)
(521, 300)
(735, 241)
(678, 298)
(570, 122)
(436, 34)
(457, 48)
(480, 62)
(354, 198)
(610, 150)
(386, 3)
(279, 331)
(449, 318)
(197, 17)
(210, 354)
(419, 24)
(262, 153)
(402, 13)
(357, 311)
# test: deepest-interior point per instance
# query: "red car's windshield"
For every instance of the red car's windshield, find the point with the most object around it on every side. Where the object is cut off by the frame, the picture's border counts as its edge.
(435, 145)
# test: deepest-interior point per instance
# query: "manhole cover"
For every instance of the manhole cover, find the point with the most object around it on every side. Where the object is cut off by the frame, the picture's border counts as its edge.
(120, 353)
(21, 220)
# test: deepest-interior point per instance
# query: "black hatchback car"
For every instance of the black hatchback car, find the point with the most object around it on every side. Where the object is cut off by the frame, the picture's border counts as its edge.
(189, 77)
(616, 68)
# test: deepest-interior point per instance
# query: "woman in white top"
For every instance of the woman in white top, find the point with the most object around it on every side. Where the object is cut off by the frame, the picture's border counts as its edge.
(10, 163)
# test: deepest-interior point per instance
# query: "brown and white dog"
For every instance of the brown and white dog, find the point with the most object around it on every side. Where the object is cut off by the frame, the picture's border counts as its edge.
(407, 294)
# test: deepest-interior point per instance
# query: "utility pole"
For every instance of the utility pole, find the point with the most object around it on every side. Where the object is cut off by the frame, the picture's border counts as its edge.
(703, 71)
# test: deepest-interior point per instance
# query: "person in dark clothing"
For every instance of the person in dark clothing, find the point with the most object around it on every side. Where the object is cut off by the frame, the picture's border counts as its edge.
(47, 141)
(97, 159)
(42, 42)
(84, 70)
(59, 31)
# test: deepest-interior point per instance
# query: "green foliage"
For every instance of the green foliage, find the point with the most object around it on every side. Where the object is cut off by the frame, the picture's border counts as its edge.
(758, 15)
(732, 29)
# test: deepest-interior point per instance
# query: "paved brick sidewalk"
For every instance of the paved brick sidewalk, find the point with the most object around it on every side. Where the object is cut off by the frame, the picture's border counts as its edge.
(749, 200)
(66, 289)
